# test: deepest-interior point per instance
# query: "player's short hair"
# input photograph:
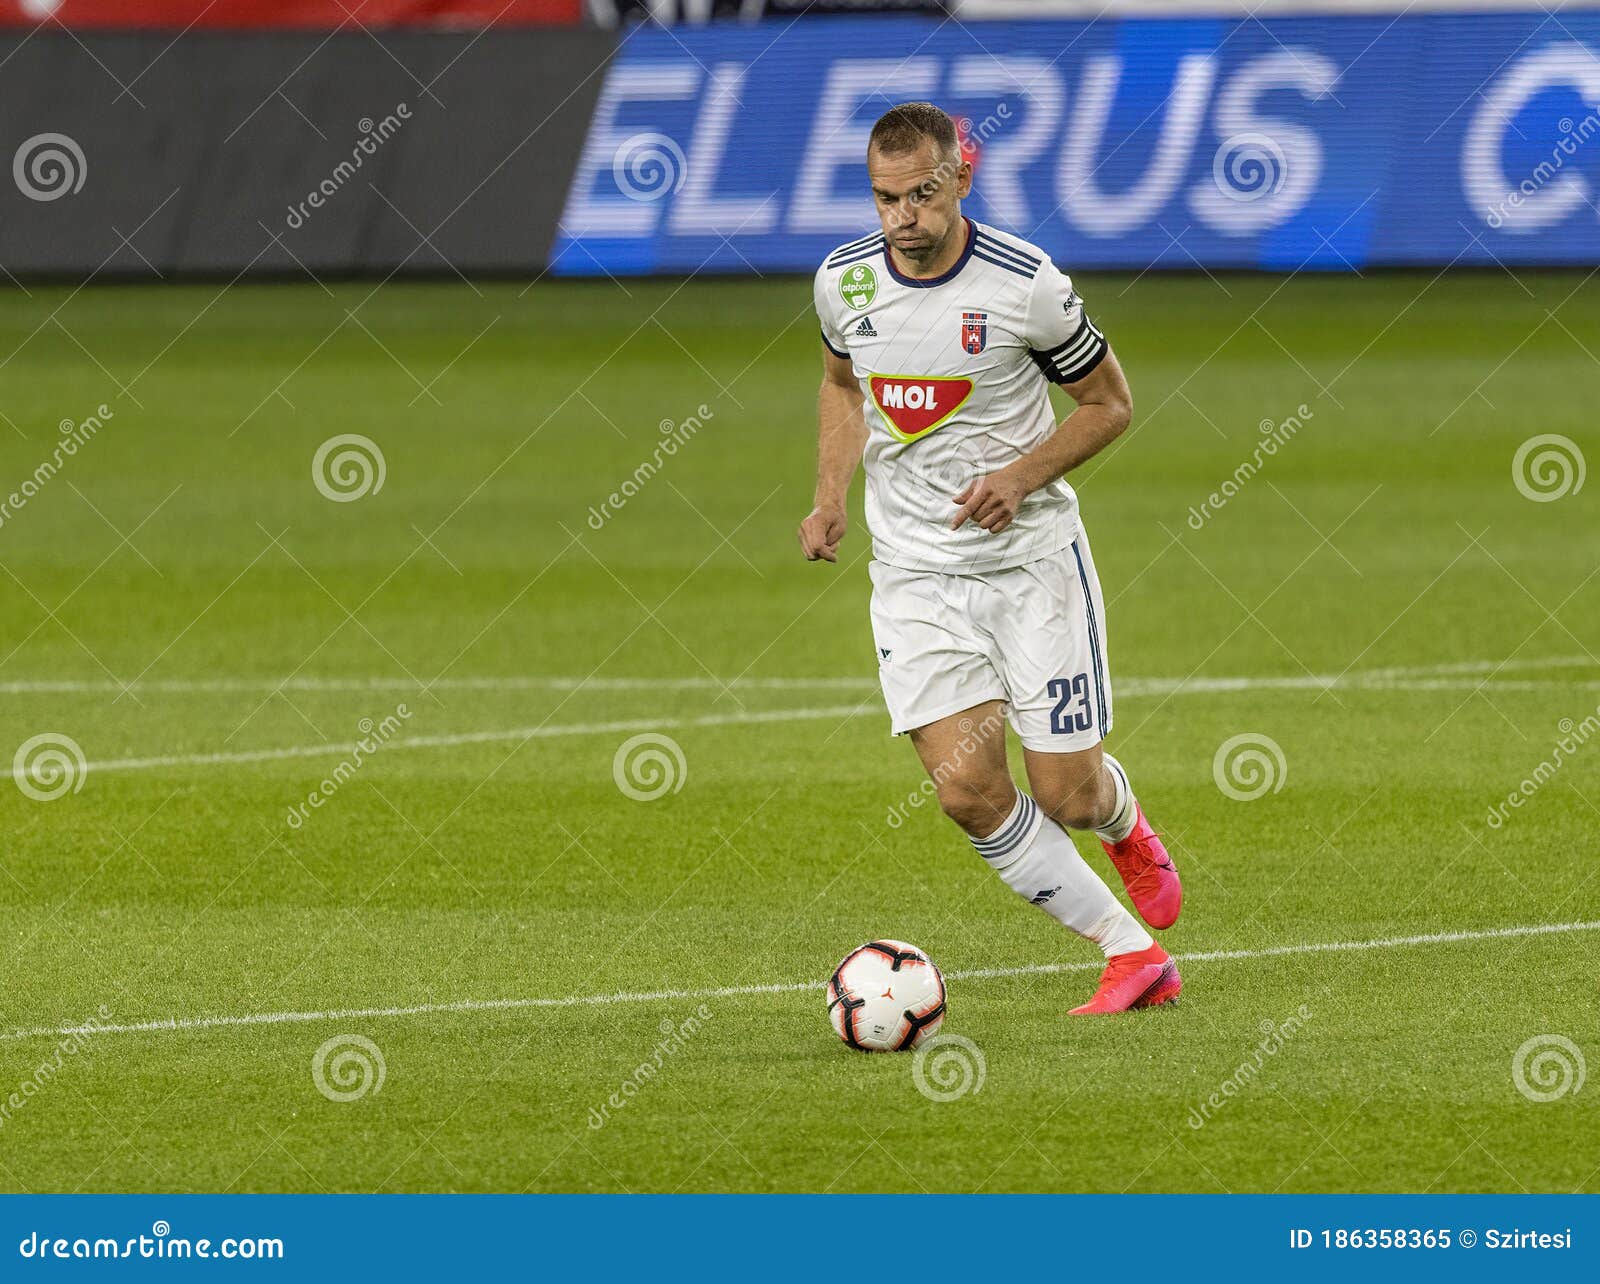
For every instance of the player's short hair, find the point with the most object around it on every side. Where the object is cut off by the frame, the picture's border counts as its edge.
(903, 129)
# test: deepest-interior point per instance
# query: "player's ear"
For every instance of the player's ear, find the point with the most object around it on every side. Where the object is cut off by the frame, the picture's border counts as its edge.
(964, 179)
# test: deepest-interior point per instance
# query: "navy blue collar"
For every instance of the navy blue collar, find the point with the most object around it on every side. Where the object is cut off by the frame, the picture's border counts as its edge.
(928, 282)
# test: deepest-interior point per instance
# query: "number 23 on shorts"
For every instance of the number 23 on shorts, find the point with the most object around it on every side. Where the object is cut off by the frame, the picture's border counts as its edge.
(1072, 711)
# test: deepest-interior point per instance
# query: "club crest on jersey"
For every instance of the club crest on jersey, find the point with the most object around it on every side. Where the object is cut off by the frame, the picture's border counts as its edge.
(974, 332)
(912, 406)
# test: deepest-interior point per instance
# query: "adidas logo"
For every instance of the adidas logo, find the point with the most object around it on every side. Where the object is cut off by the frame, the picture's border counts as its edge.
(1045, 895)
(865, 330)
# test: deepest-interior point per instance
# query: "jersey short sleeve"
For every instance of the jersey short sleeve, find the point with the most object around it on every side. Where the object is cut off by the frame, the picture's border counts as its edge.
(1063, 342)
(822, 298)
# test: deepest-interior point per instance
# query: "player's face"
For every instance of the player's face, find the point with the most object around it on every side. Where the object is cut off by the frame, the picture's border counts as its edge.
(918, 195)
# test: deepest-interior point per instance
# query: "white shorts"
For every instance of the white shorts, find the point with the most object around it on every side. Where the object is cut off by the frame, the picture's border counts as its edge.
(1032, 636)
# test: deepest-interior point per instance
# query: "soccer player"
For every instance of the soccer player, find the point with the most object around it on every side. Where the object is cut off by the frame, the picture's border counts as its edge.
(940, 335)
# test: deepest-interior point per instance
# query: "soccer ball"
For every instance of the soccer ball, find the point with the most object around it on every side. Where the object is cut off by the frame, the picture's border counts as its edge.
(886, 996)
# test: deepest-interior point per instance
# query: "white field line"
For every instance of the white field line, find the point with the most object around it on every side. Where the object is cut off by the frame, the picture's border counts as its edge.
(468, 738)
(508, 682)
(542, 682)
(1375, 680)
(180, 1024)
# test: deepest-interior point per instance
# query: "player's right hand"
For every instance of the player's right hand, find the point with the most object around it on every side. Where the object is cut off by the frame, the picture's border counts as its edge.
(821, 532)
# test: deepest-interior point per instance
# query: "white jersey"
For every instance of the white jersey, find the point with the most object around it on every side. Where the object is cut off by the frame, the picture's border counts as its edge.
(954, 373)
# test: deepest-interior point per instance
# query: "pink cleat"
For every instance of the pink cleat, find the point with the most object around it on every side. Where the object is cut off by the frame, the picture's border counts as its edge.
(1142, 979)
(1148, 874)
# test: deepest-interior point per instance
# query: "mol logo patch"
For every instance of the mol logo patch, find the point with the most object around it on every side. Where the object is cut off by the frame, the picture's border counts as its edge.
(914, 405)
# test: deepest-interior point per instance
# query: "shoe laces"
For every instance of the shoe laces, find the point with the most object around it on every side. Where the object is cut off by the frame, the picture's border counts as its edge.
(1121, 966)
(1138, 867)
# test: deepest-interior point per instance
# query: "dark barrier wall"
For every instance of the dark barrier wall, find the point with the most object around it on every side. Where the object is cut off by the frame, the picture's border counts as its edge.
(353, 153)
(293, 15)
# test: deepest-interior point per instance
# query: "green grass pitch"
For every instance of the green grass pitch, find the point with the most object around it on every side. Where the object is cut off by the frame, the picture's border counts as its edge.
(185, 551)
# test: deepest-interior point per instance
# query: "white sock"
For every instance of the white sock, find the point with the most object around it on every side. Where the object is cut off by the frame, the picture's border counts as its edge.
(1126, 812)
(1036, 859)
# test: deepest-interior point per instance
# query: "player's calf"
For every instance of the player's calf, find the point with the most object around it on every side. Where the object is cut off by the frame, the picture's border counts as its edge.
(965, 757)
(1076, 789)
(1037, 860)
(1090, 790)
(1140, 856)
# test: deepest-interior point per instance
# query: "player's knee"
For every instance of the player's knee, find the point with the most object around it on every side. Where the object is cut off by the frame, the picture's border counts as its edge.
(976, 804)
(1083, 806)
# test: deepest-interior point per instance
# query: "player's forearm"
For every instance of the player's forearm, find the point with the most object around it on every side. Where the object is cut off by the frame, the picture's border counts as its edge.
(841, 437)
(1080, 437)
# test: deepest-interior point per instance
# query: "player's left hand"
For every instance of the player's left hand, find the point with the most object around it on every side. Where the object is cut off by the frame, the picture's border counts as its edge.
(991, 502)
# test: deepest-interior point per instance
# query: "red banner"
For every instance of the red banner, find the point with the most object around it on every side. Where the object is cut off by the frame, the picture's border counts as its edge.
(330, 15)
